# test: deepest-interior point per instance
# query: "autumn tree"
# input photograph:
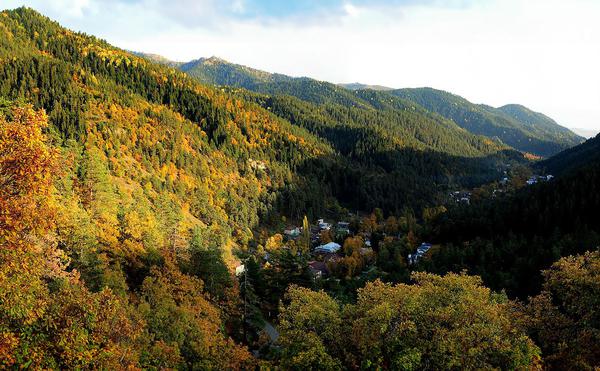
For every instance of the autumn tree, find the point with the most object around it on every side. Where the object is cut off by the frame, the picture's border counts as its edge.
(185, 325)
(564, 318)
(305, 234)
(309, 328)
(437, 323)
(48, 319)
(450, 322)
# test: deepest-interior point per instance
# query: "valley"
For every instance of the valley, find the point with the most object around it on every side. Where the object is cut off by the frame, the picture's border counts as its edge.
(207, 215)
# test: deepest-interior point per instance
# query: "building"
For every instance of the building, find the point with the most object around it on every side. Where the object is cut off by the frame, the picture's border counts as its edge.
(240, 269)
(328, 248)
(292, 232)
(318, 269)
(323, 225)
(461, 197)
(539, 178)
(421, 251)
(343, 227)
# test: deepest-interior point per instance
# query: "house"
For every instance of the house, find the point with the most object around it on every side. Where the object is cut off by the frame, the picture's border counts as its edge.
(317, 269)
(323, 225)
(328, 248)
(343, 227)
(421, 250)
(461, 197)
(292, 232)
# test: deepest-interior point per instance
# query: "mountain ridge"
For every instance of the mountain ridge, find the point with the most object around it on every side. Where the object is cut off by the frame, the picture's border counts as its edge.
(513, 124)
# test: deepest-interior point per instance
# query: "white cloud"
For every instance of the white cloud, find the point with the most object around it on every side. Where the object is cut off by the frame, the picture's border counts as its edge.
(351, 10)
(540, 53)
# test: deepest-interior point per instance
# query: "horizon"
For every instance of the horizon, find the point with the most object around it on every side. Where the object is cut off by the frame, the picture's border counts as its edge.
(545, 60)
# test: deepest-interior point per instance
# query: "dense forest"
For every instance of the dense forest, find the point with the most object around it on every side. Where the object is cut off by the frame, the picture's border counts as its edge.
(513, 125)
(150, 221)
(505, 240)
(573, 158)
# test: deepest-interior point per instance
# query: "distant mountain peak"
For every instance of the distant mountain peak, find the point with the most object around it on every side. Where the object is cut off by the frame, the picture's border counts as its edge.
(360, 86)
(214, 60)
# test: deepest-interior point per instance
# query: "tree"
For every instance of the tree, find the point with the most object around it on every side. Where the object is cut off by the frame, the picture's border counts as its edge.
(449, 322)
(309, 328)
(207, 263)
(181, 318)
(564, 318)
(305, 235)
(26, 168)
(437, 323)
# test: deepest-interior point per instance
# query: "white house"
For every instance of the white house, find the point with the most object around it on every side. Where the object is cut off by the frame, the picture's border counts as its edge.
(421, 250)
(324, 226)
(328, 248)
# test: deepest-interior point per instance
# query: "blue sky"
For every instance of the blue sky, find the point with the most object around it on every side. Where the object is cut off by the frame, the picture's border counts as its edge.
(540, 53)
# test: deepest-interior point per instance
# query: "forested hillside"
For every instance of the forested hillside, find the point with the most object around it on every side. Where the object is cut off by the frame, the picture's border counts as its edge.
(158, 180)
(393, 152)
(504, 240)
(573, 158)
(148, 221)
(216, 71)
(399, 155)
(514, 125)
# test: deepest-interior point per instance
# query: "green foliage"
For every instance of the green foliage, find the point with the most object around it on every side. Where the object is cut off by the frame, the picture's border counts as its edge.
(514, 125)
(506, 240)
(572, 159)
(437, 323)
(207, 263)
(564, 317)
(119, 229)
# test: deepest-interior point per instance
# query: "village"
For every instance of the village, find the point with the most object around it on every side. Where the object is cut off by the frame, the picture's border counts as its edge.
(345, 248)
(497, 188)
(348, 247)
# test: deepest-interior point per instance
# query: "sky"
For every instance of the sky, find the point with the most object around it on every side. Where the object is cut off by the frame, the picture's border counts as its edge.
(544, 54)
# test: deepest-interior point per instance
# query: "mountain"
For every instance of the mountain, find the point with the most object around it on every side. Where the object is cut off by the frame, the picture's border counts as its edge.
(156, 130)
(537, 122)
(359, 86)
(216, 71)
(574, 158)
(156, 58)
(378, 135)
(514, 125)
(131, 193)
